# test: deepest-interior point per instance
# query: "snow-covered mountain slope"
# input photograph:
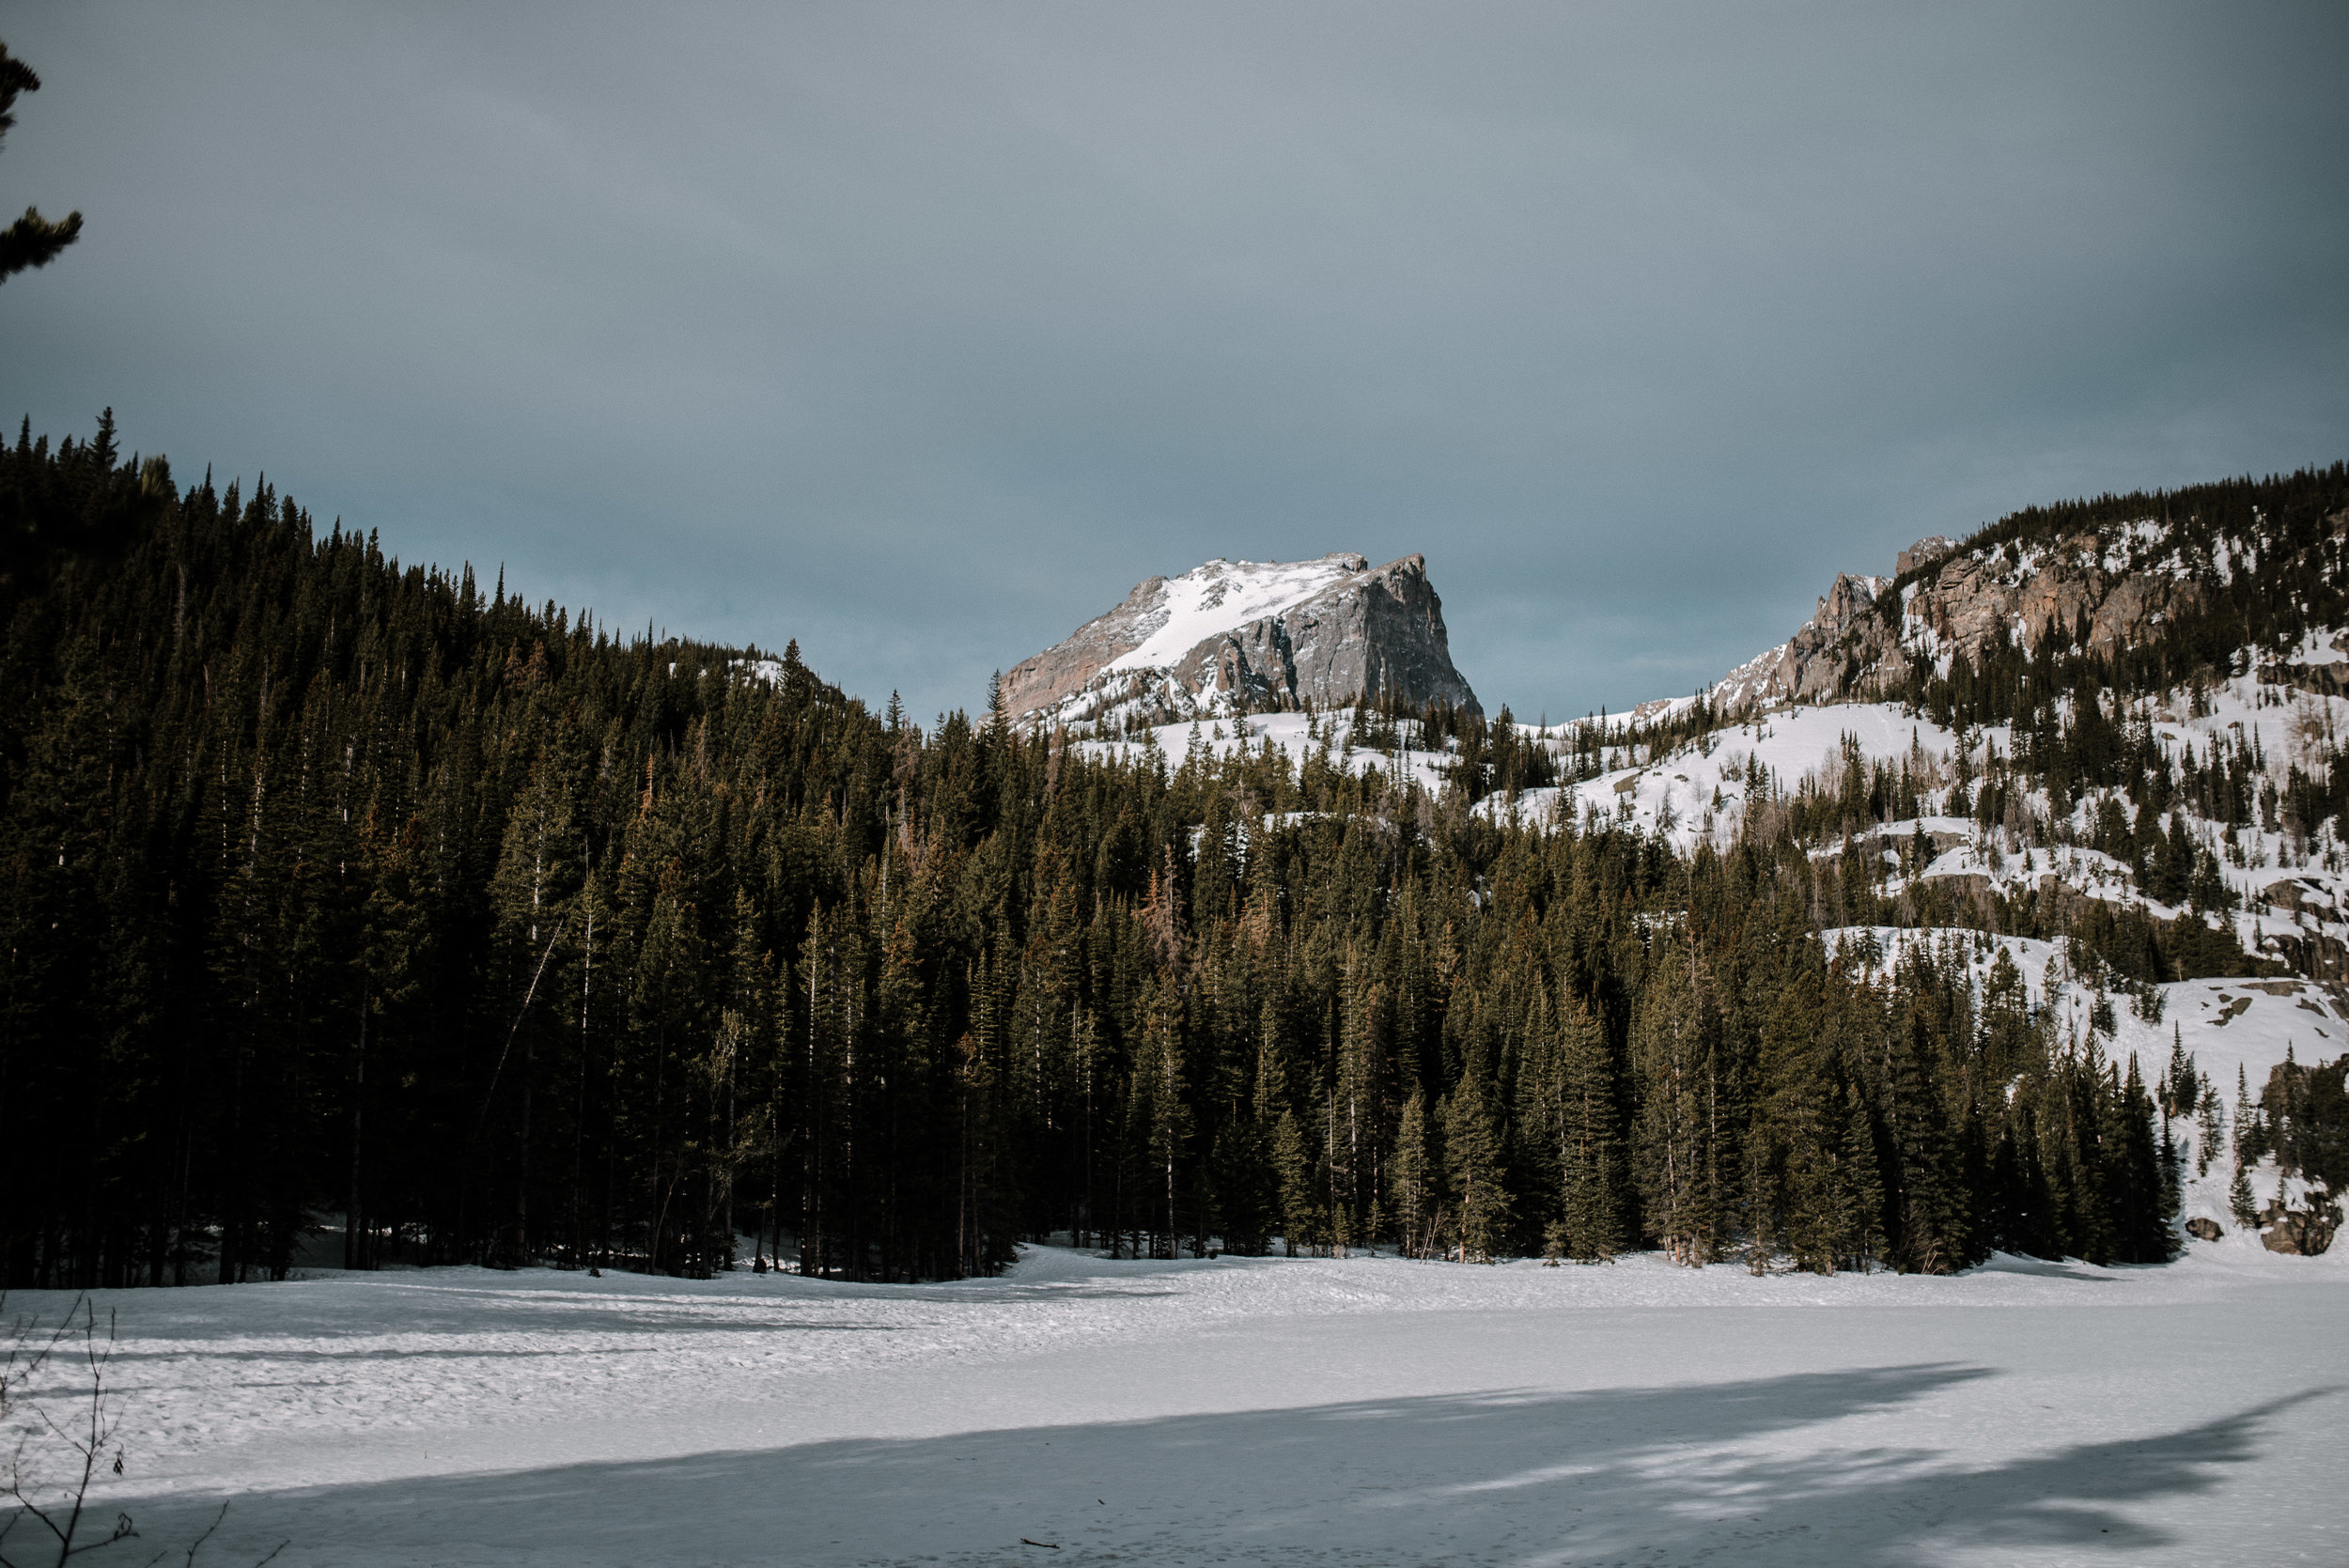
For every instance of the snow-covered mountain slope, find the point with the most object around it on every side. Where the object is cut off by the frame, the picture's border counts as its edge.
(1252, 635)
(2229, 594)
(2290, 891)
(1701, 789)
(2290, 894)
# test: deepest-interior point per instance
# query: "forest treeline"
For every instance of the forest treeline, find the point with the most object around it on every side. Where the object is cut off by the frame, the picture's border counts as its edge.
(337, 888)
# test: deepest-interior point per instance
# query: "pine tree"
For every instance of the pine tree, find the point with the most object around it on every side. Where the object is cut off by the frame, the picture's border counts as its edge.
(1793, 1190)
(1161, 1062)
(1473, 1153)
(331, 881)
(1935, 1236)
(2146, 1189)
(2180, 1083)
(2241, 1202)
(1860, 1188)
(1412, 1176)
(2253, 1139)
(32, 240)
(1292, 1163)
(2208, 1127)
(1673, 1061)
(1591, 1179)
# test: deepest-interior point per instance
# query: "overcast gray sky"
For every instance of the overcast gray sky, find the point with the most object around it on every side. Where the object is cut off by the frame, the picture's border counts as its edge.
(921, 332)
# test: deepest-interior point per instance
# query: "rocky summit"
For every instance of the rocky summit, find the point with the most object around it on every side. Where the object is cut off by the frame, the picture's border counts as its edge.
(1232, 636)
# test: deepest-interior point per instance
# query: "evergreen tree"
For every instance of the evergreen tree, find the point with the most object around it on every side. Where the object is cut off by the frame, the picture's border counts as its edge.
(334, 890)
(1934, 1235)
(1413, 1173)
(32, 240)
(1593, 1184)
(1794, 1185)
(1292, 1162)
(1475, 1174)
(1678, 1081)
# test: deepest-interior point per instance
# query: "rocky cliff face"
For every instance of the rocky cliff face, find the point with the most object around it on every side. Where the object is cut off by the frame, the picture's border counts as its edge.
(1801, 668)
(2121, 583)
(1252, 634)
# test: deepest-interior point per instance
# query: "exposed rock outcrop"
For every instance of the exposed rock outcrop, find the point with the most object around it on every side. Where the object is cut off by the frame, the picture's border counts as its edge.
(1805, 667)
(2299, 1232)
(1923, 553)
(2117, 586)
(1245, 634)
(2326, 674)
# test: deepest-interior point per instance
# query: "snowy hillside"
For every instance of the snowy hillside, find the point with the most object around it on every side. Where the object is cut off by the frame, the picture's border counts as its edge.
(2284, 884)
(2235, 1031)
(1330, 737)
(1701, 789)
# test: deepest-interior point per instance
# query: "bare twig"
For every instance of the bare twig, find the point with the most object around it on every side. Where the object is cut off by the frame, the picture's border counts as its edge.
(188, 1559)
(84, 1442)
(59, 1507)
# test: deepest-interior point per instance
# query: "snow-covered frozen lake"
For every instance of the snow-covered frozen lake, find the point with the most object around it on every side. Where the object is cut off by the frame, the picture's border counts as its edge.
(1366, 1410)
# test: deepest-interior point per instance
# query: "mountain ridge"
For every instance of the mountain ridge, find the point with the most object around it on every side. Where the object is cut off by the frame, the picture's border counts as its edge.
(2095, 584)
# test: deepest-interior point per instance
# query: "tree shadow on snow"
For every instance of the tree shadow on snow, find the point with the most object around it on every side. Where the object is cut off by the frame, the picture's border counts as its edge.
(1650, 1476)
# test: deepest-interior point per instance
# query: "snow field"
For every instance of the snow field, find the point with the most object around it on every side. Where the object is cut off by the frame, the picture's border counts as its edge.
(1363, 1411)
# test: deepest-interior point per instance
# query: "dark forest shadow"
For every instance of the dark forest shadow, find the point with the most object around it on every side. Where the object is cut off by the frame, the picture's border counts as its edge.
(1629, 1475)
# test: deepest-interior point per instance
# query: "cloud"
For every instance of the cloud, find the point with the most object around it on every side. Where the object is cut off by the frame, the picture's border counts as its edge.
(921, 333)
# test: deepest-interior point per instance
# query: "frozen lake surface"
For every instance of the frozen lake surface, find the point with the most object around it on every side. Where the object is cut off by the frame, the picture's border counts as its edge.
(1366, 1410)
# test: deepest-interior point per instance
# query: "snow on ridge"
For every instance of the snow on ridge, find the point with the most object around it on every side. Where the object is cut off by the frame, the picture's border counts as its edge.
(1222, 596)
(2225, 1024)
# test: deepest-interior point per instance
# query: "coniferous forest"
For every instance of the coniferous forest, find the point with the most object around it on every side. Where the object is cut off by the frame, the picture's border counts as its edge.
(344, 891)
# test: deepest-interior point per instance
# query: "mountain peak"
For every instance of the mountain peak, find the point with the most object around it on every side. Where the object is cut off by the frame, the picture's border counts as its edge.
(1228, 635)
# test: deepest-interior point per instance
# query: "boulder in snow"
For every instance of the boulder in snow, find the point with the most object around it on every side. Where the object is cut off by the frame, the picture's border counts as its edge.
(2299, 1232)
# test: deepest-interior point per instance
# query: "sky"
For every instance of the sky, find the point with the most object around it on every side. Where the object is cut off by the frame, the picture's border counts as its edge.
(921, 332)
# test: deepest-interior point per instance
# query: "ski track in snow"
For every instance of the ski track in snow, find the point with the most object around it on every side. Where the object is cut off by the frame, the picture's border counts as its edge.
(1247, 1410)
